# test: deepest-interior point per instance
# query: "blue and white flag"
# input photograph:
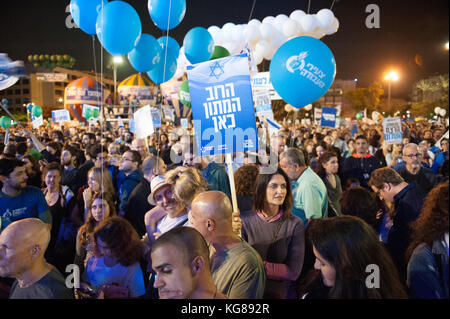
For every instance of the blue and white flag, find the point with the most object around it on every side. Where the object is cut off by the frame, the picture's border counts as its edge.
(328, 117)
(222, 106)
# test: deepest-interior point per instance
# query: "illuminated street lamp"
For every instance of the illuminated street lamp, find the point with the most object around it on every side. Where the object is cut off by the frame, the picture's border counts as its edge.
(116, 60)
(391, 76)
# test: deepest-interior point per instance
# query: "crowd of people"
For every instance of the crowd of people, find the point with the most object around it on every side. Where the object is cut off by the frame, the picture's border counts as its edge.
(321, 214)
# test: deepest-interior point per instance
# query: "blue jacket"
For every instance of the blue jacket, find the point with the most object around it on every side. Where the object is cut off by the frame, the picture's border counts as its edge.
(438, 161)
(425, 278)
(217, 178)
(129, 183)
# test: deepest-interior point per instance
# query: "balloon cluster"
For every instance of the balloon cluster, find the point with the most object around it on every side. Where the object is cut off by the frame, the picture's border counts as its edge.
(36, 110)
(52, 61)
(119, 30)
(266, 36)
(440, 111)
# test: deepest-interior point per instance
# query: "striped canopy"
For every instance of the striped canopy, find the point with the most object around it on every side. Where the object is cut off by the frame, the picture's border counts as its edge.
(136, 90)
(84, 91)
(136, 80)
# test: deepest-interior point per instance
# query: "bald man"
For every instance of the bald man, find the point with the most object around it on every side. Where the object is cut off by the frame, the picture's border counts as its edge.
(237, 269)
(22, 247)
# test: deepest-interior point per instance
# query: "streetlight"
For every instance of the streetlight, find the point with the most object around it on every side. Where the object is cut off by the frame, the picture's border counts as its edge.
(446, 46)
(116, 60)
(391, 76)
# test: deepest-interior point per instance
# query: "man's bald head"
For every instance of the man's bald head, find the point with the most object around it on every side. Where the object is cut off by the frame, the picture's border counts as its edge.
(213, 204)
(22, 246)
(211, 215)
(28, 232)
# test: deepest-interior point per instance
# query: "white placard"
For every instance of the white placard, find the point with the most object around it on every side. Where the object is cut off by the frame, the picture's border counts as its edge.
(184, 123)
(143, 122)
(392, 129)
(59, 116)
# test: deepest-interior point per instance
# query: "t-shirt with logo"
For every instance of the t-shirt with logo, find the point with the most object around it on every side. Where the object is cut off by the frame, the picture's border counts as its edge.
(30, 203)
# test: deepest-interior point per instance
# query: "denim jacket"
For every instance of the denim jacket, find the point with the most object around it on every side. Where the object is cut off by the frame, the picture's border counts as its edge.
(424, 278)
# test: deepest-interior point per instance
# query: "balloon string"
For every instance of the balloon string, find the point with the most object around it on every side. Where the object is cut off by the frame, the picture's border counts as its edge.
(332, 5)
(309, 5)
(164, 75)
(101, 105)
(251, 12)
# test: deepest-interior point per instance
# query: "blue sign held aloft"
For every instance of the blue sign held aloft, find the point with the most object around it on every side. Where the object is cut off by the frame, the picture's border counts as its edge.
(328, 117)
(222, 106)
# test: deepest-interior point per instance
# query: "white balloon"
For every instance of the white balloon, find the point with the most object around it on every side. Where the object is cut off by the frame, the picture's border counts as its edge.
(324, 18)
(237, 33)
(308, 107)
(443, 112)
(279, 21)
(290, 28)
(308, 23)
(318, 34)
(437, 110)
(333, 28)
(217, 34)
(263, 48)
(254, 22)
(258, 58)
(251, 33)
(227, 31)
(269, 19)
(288, 108)
(296, 15)
(266, 30)
(295, 109)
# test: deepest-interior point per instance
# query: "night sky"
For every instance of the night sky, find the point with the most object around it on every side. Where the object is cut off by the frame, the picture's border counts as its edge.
(411, 37)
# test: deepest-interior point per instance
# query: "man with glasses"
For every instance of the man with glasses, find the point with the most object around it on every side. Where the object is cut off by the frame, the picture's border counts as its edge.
(129, 165)
(413, 171)
(408, 201)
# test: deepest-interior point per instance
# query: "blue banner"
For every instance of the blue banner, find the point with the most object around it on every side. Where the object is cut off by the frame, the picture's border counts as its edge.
(222, 106)
(328, 117)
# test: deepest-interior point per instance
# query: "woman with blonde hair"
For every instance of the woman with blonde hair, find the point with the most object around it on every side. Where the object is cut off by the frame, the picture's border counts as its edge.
(99, 181)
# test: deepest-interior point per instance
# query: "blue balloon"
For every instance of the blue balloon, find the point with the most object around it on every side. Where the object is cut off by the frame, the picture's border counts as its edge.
(159, 74)
(173, 48)
(198, 45)
(160, 11)
(147, 53)
(118, 27)
(85, 12)
(302, 70)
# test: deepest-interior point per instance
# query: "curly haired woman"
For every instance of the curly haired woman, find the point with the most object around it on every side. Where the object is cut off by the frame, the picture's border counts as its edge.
(428, 268)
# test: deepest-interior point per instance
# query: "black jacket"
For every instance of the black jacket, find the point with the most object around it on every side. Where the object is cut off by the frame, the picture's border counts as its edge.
(425, 178)
(360, 168)
(138, 206)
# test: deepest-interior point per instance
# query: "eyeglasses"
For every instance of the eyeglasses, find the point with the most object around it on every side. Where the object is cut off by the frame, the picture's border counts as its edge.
(414, 155)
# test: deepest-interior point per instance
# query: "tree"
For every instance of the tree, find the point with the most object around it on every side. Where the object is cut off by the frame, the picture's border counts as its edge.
(366, 98)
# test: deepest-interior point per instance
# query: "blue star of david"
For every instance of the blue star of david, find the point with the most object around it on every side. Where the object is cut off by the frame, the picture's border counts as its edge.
(216, 70)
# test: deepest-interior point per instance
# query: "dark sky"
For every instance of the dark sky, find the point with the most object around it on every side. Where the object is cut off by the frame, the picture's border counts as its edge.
(408, 28)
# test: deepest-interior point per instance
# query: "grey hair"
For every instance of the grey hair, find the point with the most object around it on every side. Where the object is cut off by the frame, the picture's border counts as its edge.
(409, 145)
(150, 163)
(294, 156)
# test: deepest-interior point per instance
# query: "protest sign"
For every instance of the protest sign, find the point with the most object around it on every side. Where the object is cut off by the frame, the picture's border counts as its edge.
(392, 129)
(222, 106)
(60, 116)
(261, 82)
(143, 122)
(90, 111)
(328, 117)
(184, 122)
(263, 105)
(37, 121)
(156, 116)
(317, 115)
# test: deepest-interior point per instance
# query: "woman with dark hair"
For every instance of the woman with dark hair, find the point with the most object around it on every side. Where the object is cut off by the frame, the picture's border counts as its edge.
(327, 169)
(345, 248)
(319, 149)
(276, 234)
(115, 267)
(33, 171)
(428, 267)
(60, 200)
(245, 178)
(101, 207)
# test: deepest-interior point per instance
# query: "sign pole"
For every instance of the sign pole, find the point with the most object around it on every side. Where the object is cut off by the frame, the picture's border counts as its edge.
(229, 161)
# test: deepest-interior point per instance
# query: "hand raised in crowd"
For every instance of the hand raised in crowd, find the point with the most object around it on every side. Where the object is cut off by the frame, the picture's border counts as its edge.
(237, 222)
(87, 196)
